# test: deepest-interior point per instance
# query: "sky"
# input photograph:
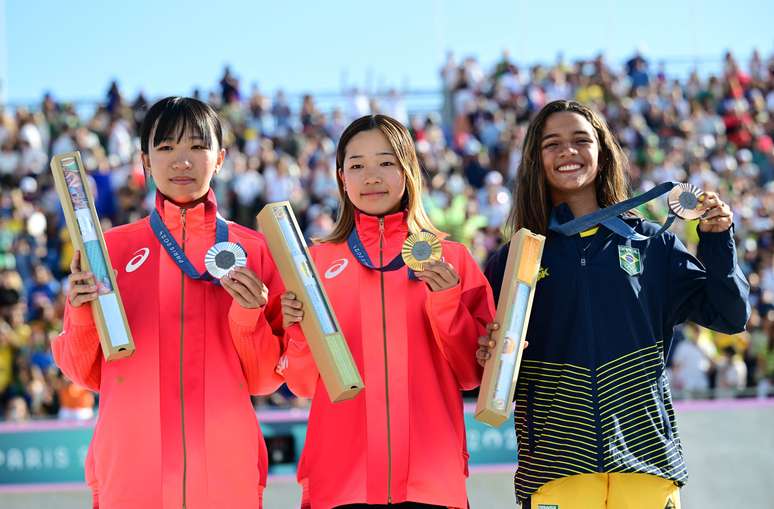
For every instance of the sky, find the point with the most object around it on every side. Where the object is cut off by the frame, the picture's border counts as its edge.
(74, 48)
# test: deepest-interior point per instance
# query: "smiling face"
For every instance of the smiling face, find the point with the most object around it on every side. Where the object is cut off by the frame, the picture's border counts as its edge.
(569, 150)
(183, 166)
(372, 175)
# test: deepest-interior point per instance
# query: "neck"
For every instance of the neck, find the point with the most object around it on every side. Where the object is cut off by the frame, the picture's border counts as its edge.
(189, 204)
(581, 203)
(394, 210)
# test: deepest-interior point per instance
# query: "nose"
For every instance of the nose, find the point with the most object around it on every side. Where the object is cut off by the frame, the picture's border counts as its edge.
(372, 176)
(182, 163)
(568, 150)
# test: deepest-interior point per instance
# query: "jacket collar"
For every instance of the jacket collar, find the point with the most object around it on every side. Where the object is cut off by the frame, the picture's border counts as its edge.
(368, 227)
(200, 217)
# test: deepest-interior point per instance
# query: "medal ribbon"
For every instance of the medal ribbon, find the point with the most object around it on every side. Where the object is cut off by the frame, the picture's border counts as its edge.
(176, 252)
(358, 250)
(609, 217)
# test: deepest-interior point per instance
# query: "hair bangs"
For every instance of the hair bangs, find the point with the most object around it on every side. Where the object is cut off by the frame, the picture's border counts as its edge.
(177, 122)
(175, 117)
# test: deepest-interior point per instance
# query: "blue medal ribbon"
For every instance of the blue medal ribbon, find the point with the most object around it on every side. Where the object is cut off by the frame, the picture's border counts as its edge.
(176, 252)
(609, 217)
(358, 250)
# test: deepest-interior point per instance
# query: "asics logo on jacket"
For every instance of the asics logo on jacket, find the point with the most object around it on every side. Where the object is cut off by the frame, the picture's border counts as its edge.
(138, 259)
(336, 268)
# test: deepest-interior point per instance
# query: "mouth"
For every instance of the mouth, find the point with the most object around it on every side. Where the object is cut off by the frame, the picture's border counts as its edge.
(374, 194)
(181, 180)
(569, 168)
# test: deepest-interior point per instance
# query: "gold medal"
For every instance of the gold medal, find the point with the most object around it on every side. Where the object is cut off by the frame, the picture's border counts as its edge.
(683, 200)
(223, 257)
(419, 249)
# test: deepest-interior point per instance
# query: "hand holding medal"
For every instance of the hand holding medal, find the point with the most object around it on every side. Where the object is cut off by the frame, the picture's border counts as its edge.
(227, 261)
(243, 284)
(689, 202)
(422, 254)
(717, 215)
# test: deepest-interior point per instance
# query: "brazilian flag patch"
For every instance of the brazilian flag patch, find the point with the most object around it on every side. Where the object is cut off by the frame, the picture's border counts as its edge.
(629, 260)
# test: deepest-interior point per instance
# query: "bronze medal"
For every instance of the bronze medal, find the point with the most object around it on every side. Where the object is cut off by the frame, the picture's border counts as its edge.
(683, 200)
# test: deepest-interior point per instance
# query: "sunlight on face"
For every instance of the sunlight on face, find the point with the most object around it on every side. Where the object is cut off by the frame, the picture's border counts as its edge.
(372, 174)
(182, 170)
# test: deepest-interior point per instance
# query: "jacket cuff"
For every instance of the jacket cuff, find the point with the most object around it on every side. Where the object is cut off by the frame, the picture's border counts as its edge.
(448, 298)
(717, 252)
(724, 236)
(295, 341)
(244, 317)
(81, 316)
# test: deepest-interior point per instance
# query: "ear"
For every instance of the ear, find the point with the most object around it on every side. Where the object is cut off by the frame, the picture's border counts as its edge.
(221, 158)
(145, 161)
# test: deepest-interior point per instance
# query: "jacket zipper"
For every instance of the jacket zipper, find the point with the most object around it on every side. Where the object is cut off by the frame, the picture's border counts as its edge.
(594, 389)
(182, 399)
(386, 376)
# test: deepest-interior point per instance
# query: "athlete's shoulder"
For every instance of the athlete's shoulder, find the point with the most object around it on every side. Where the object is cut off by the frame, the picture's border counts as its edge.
(128, 228)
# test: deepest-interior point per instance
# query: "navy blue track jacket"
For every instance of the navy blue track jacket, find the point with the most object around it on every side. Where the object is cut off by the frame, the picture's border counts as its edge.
(592, 394)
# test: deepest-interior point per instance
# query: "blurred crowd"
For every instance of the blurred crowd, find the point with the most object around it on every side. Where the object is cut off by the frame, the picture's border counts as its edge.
(715, 131)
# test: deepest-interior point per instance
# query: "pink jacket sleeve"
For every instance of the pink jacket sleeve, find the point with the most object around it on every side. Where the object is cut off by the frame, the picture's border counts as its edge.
(77, 350)
(257, 334)
(458, 317)
(297, 365)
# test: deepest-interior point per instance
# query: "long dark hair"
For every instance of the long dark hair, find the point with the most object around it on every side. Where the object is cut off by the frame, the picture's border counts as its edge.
(532, 206)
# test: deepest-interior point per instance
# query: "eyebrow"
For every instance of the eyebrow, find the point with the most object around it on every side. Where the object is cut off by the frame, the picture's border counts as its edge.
(172, 138)
(378, 153)
(556, 135)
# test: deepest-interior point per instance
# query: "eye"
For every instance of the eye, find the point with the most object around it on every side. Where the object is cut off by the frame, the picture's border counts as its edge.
(199, 147)
(164, 148)
(355, 166)
(584, 141)
(549, 145)
(387, 163)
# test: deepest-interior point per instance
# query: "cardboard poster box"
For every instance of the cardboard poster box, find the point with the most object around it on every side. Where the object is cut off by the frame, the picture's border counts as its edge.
(329, 348)
(495, 398)
(86, 234)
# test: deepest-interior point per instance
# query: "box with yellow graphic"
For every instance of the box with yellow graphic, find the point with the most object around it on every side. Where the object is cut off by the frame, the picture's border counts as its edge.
(86, 234)
(329, 348)
(501, 371)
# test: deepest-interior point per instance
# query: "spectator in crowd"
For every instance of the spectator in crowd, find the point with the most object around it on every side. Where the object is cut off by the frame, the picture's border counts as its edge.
(75, 402)
(692, 363)
(731, 373)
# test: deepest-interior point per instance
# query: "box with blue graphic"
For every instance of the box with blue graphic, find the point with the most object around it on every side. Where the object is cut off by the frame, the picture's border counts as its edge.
(501, 371)
(331, 353)
(86, 234)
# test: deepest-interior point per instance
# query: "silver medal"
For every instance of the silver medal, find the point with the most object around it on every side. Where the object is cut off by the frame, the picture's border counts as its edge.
(223, 257)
